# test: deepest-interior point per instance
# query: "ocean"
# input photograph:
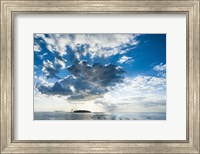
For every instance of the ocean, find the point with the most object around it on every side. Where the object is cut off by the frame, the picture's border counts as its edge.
(59, 115)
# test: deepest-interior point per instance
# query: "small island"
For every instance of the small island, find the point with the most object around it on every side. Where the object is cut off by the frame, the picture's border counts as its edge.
(82, 111)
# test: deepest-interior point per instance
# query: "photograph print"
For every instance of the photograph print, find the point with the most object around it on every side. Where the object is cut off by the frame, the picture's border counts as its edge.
(99, 76)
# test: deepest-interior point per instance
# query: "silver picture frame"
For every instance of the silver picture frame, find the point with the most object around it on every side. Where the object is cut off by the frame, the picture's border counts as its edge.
(11, 7)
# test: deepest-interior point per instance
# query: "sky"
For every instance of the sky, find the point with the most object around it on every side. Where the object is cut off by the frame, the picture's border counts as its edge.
(100, 72)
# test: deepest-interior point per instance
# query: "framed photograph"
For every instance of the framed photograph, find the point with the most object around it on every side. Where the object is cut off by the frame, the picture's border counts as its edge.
(100, 76)
(94, 76)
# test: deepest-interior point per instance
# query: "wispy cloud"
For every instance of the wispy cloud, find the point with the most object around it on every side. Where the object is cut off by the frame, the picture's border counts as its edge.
(42, 56)
(161, 69)
(142, 93)
(124, 59)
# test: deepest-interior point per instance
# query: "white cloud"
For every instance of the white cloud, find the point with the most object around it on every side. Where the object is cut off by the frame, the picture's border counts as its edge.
(55, 42)
(72, 88)
(60, 62)
(39, 35)
(43, 80)
(99, 45)
(48, 67)
(124, 59)
(37, 48)
(50, 47)
(160, 67)
(103, 40)
(139, 94)
(48, 63)
(42, 56)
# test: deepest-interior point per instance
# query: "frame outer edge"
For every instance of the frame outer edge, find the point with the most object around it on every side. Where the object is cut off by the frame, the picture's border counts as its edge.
(196, 64)
(6, 86)
(3, 78)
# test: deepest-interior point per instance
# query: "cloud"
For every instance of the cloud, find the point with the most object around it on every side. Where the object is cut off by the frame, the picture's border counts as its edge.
(49, 69)
(96, 45)
(81, 46)
(42, 56)
(97, 74)
(138, 94)
(148, 83)
(161, 69)
(54, 42)
(109, 107)
(52, 68)
(59, 62)
(37, 48)
(124, 59)
(84, 80)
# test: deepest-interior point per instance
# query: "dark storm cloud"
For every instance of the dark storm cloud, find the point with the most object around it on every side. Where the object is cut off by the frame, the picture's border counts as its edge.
(97, 73)
(85, 80)
(52, 90)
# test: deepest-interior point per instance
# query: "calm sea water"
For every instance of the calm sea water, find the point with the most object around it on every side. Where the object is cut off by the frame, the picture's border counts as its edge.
(99, 116)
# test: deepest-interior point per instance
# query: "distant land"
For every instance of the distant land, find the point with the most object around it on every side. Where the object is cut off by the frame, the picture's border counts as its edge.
(82, 111)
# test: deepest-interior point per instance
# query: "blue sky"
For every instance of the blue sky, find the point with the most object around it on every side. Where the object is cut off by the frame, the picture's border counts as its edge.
(100, 72)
